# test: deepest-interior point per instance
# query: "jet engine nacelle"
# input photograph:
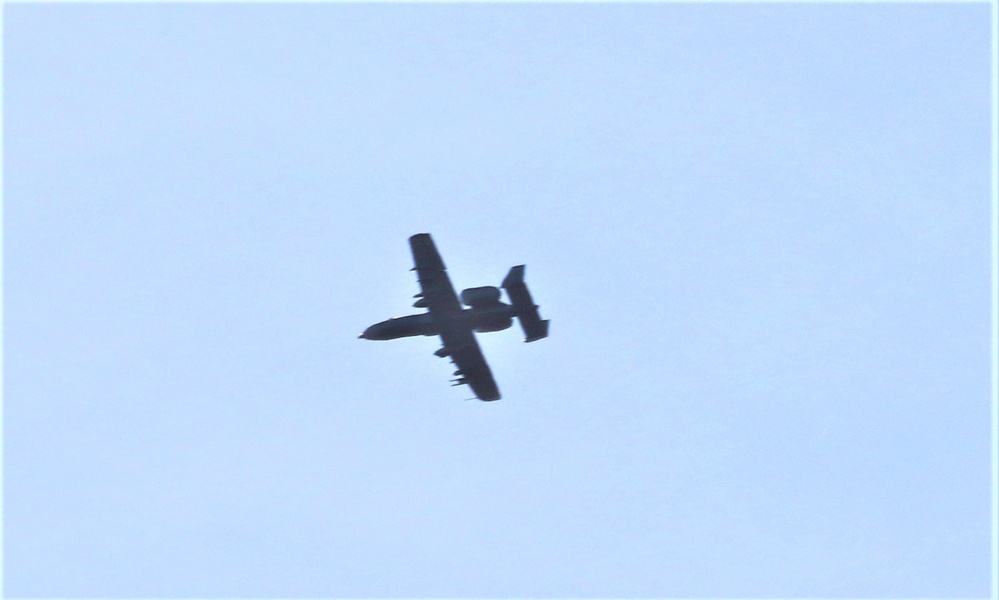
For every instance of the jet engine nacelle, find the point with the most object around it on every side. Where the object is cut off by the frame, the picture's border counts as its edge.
(480, 296)
(494, 324)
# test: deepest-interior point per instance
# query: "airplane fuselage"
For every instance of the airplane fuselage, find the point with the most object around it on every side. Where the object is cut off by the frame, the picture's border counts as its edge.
(480, 318)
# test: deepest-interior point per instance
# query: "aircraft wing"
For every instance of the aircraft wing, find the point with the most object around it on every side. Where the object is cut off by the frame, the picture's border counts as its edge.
(465, 353)
(436, 291)
(438, 296)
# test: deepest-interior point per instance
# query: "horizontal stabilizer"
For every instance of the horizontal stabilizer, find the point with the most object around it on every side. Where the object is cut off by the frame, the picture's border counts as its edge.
(514, 277)
(527, 311)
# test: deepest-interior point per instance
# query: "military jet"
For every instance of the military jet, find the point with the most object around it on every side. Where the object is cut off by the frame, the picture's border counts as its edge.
(455, 325)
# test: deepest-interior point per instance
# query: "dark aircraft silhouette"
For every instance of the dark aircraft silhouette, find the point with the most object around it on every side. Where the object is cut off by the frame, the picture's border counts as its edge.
(456, 325)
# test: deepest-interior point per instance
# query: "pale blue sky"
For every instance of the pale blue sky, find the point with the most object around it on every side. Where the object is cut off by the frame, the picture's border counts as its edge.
(761, 233)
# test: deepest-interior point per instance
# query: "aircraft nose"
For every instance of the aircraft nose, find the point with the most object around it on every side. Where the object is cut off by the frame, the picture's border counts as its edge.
(375, 332)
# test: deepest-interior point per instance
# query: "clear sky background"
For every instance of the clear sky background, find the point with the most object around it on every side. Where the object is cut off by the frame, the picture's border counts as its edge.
(761, 233)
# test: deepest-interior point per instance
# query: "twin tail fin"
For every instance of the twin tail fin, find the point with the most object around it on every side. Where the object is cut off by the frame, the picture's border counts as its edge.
(527, 311)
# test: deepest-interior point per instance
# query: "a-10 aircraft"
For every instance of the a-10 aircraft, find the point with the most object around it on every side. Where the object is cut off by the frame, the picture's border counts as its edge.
(456, 325)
